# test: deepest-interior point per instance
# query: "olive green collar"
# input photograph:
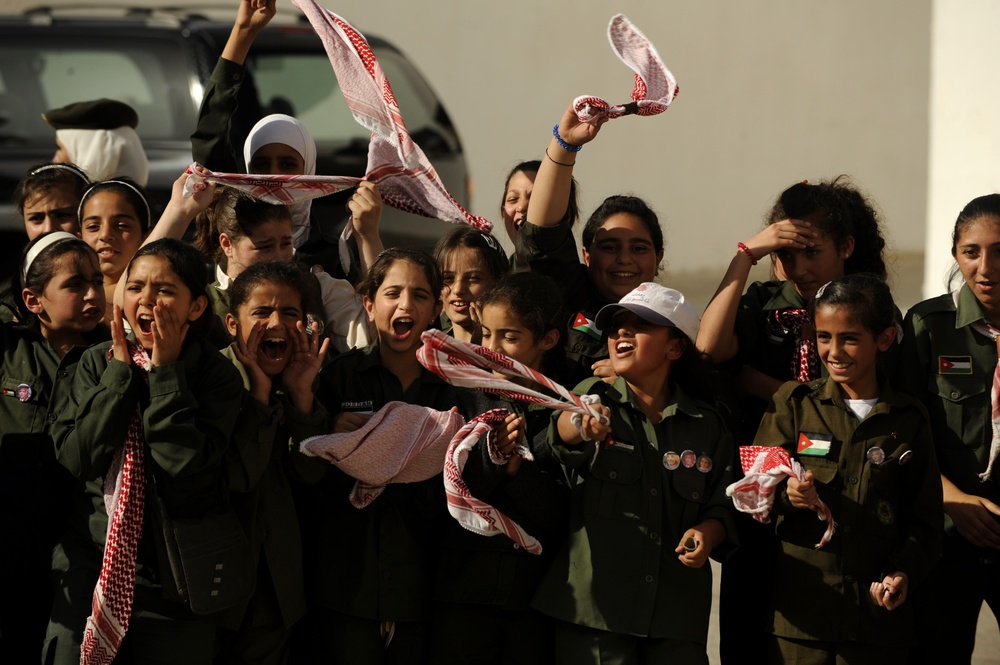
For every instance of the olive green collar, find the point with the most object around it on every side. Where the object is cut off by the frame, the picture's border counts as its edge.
(680, 401)
(967, 308)
(786, 298)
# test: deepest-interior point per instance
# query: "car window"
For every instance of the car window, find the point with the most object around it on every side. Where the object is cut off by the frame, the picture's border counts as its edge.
(146, 74)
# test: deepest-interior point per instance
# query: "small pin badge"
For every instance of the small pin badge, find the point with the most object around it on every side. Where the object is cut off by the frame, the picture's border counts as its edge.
(24, 392)
(704, 463)
(906, 457)
(875, 455)
(671, 460)
(688, 459)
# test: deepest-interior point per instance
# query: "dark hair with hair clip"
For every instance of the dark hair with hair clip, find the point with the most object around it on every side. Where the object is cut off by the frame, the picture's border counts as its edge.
(292, 275)
(485, 244)
(532, 166)
(621, 204)
(133, 193)
(42, 270)
(865, 296)
(236, 214)
(188, 264)
(43, 178)
(369, 284)
(837, 210)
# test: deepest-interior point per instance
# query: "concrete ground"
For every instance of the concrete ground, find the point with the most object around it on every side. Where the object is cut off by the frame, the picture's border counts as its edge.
(906, 278)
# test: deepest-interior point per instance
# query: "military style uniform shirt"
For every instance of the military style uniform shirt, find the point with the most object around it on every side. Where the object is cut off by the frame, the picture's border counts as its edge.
(618, 571)
(552, 251)
(888, 513)
(949, 367)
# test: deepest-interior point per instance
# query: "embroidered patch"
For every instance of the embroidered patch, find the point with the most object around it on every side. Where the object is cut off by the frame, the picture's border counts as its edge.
(814, 444)
(954, 364)
(884, 512)
(366, 406)
(582, 324)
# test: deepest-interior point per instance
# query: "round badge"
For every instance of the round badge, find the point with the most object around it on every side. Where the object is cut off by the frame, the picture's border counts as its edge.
(671, 460)
(704, 463)
(24, 392)
(906, 457)
(688, 459)
(875, 455)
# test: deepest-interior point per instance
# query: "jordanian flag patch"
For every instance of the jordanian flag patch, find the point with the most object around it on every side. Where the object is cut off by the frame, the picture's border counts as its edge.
(954, 364)
(586, 326)
(814, 444)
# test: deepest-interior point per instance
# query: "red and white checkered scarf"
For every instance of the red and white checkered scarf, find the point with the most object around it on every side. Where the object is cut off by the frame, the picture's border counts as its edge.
(404, 175)
(991, 332)
(655, 87)
(472, 513)
(124, 498)
(765, 467)
(805, 361)
(400, 443)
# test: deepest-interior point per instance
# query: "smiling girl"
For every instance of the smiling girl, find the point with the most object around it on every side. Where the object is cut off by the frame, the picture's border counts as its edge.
(869, 456)
(60, 303)
(470, 262)
(949, 362)
(168, 393)
(114, 220)
(632, 584)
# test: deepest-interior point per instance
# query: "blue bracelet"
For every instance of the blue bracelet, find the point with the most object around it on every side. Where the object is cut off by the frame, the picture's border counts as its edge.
(565, 146)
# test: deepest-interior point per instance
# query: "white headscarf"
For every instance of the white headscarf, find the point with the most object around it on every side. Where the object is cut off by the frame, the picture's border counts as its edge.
(105, 154)
(284, 129)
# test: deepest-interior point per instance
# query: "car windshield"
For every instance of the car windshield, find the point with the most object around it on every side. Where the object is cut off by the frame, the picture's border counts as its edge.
(145, 74)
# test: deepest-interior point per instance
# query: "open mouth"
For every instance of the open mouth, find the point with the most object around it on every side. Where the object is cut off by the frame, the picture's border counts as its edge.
(624, 275)
(145, 322)
(106, 252)
(273, 348)
(459, 305)
(623, 347)
(402, 326)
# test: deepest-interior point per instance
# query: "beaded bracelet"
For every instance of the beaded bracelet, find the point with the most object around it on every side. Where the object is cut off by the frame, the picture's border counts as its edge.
(746, 250)
(554, 161)
(568, 147)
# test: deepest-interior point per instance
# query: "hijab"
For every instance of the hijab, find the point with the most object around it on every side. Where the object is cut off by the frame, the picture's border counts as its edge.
(106, 154)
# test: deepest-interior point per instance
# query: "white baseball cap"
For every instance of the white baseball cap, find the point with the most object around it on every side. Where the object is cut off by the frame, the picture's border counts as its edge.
(657, 304)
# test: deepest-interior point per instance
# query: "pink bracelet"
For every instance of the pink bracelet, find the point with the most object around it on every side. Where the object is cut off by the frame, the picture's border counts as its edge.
(746, 250)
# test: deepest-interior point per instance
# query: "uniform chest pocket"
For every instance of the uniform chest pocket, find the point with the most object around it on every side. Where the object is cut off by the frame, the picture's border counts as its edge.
(824, 470)
(689, 484)
(617, 491)
(20, 404)
(965, 400)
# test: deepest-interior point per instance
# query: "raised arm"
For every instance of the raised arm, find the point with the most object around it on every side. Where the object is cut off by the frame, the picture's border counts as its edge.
(251, 17)
(717, 333)
(550, 194)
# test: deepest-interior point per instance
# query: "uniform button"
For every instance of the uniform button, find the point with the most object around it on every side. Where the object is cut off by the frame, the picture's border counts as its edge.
(695, 495)
(649, 578)
(955, 394)
(613, 475)
(847, 529)
(51, 417)
(853, 480)
(62, 374)
(653, 535)
(516, 546)
(849, 579)
(652, 492)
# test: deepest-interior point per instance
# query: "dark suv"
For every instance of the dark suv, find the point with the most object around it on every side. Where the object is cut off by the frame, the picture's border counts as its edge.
(159, 61)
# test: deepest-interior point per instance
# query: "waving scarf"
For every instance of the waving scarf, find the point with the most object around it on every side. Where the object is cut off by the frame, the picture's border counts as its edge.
(991, 332)
(400, 443)
(404, 175)
(655, 87)
(124, 499)
(765, 468)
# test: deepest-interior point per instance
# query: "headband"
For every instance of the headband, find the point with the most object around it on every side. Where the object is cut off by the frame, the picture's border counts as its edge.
(44, 243)
(125, 183)
(62, 167)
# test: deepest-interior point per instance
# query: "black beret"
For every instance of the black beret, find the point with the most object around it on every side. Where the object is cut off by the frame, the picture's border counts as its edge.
(96, 114)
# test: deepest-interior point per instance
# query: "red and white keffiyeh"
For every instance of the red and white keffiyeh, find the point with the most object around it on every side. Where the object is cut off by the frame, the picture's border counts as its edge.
(472, 366)
(124, 499)
(404, 175)
(993, 333)
(765, 467)
(805, 361)
(472, 513)
(655, 87)
(400, 443)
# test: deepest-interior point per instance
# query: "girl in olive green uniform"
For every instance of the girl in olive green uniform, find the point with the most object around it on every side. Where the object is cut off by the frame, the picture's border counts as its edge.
(60, 303)
(278, 362)
(868, 455)
(189, 401)
(949, 362)
(815, 233)
(370, 571)
(648, 503)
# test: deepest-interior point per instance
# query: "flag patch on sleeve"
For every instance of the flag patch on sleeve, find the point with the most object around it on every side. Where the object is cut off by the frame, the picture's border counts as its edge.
(814, 444)
(585, 325)
(954, 364)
